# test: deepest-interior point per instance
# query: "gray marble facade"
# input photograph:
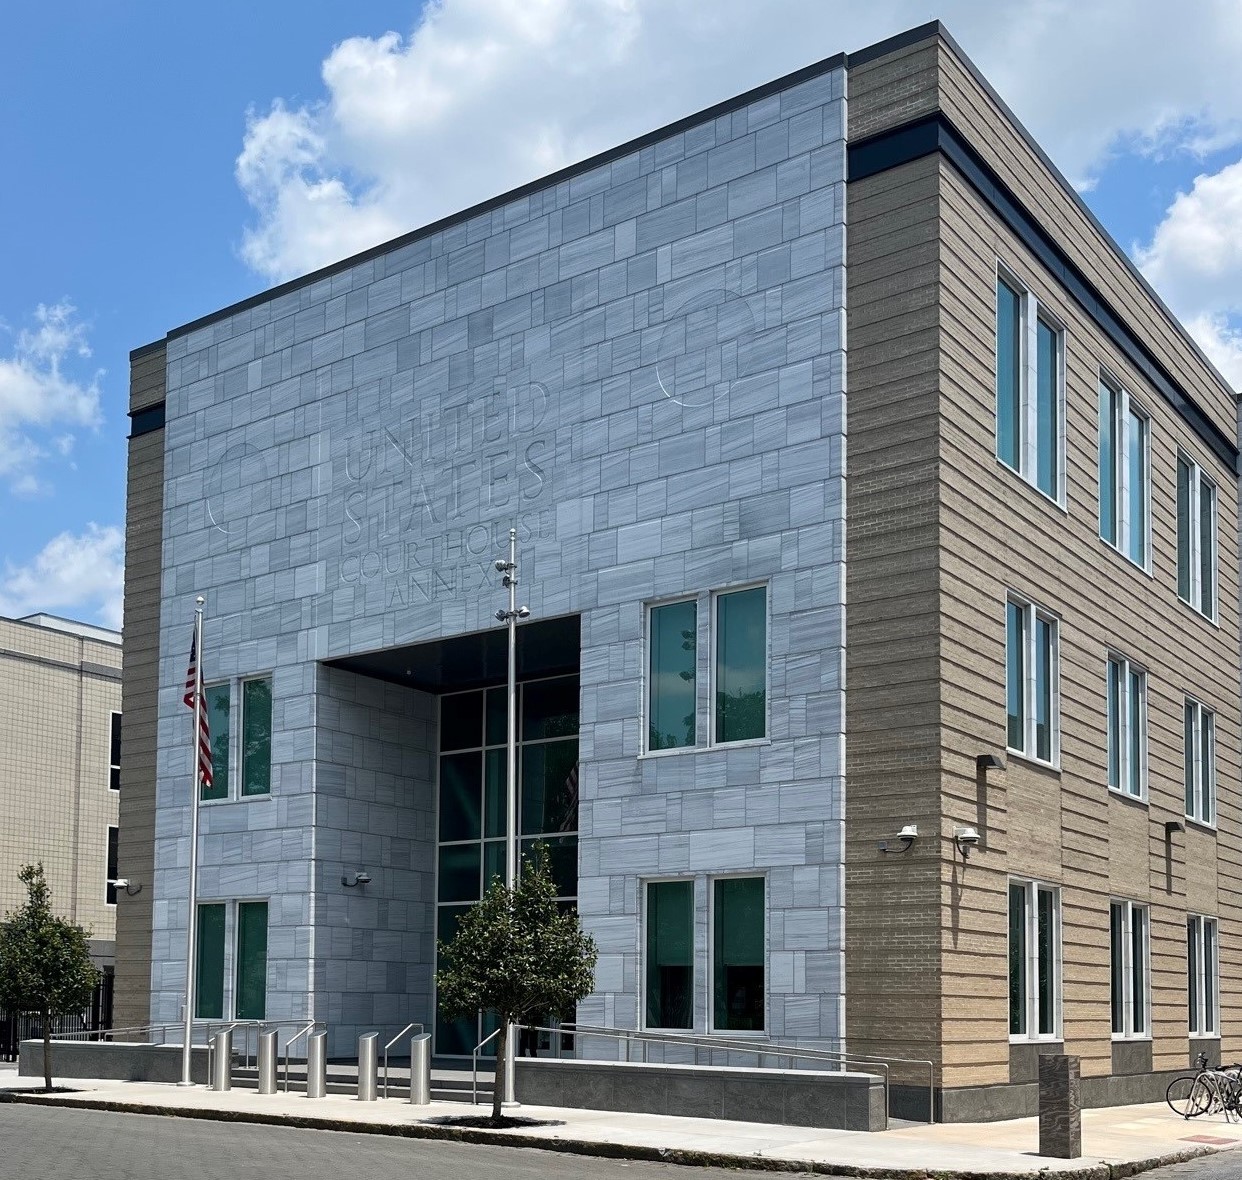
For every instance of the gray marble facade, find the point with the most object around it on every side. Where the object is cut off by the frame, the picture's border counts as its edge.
(642, 367)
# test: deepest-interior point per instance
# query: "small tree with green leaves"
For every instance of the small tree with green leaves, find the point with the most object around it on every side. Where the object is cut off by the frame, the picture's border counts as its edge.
(45, 962)
(517, 954)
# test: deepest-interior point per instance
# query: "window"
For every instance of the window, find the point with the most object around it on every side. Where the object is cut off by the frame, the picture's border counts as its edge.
(741, 669)
(1127, 728)
(1196, 537)
(217, 697)
(1128, 943)
(1034, 961)
(1031, 681)
(249, 942)
(113, 841)
(256, 756)
(209, 981)
(670, 954)
(738, 954)
(1125, 474)
(251, 994)
(1202, 988)
(114, 752)
(1199, 728)
(672, 689)
(1030, 398)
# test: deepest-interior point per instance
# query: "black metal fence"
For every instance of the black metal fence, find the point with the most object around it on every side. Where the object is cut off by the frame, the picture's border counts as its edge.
(98, 1015)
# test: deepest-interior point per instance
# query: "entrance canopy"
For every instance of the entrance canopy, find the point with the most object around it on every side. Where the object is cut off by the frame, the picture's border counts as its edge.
(545, 647)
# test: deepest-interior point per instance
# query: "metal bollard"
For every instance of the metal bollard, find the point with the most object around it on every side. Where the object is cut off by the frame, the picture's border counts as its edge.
(368, 1066)
(222, 1060)
(420, 1069)
(317, 1064)
(267, 1062)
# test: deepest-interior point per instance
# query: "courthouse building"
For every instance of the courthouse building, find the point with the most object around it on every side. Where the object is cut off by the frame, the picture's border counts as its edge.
(878, 526)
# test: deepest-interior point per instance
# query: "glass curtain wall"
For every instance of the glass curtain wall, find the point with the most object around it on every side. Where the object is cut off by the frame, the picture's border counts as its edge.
(471, 809)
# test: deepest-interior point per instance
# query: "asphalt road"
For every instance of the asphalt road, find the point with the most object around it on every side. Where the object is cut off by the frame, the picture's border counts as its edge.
(60, 1143)
(1225, 1165)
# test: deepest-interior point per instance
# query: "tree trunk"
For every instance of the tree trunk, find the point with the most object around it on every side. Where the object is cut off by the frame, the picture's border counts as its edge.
(47, 1051)
(498, 1094)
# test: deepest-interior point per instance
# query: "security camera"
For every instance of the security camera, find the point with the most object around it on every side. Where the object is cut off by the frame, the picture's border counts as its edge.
(363, 878)
(523, 612)
(119, 882)
(908, 832)
(966, 839)
(501, 565)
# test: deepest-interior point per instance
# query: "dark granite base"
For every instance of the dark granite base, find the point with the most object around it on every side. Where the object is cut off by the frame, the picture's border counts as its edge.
(799, 1098)
(122, 1061)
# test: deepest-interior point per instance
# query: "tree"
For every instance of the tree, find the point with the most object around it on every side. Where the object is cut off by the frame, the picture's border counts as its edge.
(45, 962)
(517, 954)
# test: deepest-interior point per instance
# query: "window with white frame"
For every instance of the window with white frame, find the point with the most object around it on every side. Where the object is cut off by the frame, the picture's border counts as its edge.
(1196, 537)
(1199, 729)
(1127, 727)
(254, 757)
(1032, 697)
(1129, 950)
(1202, 986)
(1030, 388)
(114, 751)
(1125, 474)
(1034, 961)
(740, 673)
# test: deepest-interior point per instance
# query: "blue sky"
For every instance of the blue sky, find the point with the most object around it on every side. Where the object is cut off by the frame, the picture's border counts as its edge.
(159, 165)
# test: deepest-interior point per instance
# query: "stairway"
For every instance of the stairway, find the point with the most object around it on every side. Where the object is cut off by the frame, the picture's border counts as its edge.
(450, 1082)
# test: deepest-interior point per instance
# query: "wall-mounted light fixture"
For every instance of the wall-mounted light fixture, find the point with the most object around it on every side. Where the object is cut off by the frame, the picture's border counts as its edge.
(986, 762)
(1171, 826)
(124, 883)
(966, 839)
(907, 836)
(349, 880)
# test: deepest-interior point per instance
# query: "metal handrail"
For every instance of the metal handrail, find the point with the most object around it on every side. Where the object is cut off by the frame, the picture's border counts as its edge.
(474, 1063)
(89, 1033)
(760, 1050)
(413, 1024)
(288, 1044)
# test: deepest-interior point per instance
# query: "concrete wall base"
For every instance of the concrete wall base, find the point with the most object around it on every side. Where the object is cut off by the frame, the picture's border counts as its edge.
(120, 1060)
(797, 1098)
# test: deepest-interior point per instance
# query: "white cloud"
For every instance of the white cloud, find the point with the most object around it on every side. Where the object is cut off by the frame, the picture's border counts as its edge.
(482, 95)
(40, 402)
(1194, 259)
(71, 575)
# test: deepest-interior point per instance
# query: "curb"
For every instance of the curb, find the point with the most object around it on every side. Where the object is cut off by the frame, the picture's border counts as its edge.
(604, 1150)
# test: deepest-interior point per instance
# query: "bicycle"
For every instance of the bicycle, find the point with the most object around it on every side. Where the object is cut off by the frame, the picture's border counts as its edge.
(1209, 1091)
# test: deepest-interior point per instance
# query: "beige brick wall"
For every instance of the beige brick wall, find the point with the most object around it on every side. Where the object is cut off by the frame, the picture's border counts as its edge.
(59, 692)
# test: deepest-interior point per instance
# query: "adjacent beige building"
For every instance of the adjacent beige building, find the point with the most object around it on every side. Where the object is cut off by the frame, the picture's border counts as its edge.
(60, 739)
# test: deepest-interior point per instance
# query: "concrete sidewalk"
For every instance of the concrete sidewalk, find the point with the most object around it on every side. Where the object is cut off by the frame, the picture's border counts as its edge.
(1116, 1140)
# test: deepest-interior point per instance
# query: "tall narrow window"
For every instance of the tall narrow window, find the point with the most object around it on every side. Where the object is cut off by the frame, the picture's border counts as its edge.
(1008, 374)
(256, 759)
(670, 954)
(741, 673)
(1129, 950)
(672, 691)
(1034, 961)
(1124, 473)
(1196, 537)
(1199, 729)
(209, 986)
(738, 954)
(251, 995)
(218, 700)
(114, 752)
(1127, 728)
(1030, 399)
(113, 840)
(1031, 681)
(1202, 989)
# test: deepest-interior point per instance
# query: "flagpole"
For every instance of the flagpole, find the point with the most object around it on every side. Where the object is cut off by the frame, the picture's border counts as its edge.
(192, 915)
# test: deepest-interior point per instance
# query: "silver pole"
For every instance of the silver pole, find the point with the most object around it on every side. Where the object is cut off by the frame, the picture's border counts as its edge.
(511, 805)
(191, 938)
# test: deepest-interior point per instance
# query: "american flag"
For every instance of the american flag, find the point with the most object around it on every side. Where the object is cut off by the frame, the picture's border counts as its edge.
(194, 688)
